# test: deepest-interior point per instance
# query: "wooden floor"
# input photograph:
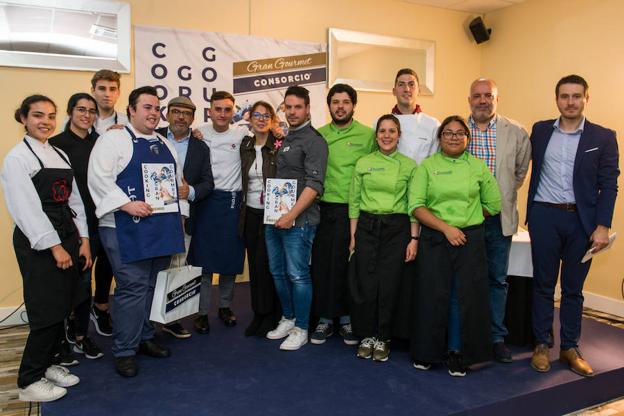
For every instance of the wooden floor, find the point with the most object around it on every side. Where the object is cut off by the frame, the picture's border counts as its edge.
(12, 342)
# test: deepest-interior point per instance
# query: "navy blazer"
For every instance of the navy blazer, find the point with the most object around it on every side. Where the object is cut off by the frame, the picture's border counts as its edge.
(595, 172)
(197, 171)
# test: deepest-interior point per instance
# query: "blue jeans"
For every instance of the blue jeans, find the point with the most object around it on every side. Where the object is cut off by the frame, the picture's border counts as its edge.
(289, 261)
(497, 247)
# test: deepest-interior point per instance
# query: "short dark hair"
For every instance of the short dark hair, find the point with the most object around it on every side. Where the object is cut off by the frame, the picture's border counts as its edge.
(264, 104)
(106, 75)
(298, 91)
(221, 95)
(406, 71)
(338, 88)
(136, 93)
(450, 119)
(573, 79)
(390, 117)
(24, 108)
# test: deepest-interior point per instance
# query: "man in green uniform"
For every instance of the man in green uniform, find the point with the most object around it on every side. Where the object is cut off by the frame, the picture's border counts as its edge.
(348, 140)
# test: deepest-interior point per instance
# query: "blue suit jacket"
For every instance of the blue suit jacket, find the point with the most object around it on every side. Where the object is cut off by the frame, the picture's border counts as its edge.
(197, 172)
(595, 172)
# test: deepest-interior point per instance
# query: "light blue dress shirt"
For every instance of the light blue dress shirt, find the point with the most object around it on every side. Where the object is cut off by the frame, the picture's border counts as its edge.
(181, 147)
(556, 179)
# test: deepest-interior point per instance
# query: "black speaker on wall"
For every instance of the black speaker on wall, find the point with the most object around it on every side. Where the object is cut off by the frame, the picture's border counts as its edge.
(479, 32)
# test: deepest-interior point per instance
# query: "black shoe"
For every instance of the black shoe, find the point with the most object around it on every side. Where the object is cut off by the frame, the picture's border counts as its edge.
(102, 321)
(253, 327)
(176, 330)
(202, 326)
(502, 353)
(126, 366)
(455, 364)
(89, 348)
(153, 349)
(227, 316)
(65, 357)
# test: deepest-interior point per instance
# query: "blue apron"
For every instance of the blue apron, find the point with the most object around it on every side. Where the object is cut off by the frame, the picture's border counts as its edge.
(216, 245)
(158, 234)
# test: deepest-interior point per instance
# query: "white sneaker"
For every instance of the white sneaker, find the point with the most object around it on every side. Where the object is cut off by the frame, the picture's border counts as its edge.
(282, 330)
(297, 338)
(41, 391)
(61, 376)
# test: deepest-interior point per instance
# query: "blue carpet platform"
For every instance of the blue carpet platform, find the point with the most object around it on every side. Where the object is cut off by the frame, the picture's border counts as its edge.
(225, 373)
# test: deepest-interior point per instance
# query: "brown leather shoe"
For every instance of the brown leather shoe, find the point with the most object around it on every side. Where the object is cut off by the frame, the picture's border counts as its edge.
(572, 357)
(539, 360)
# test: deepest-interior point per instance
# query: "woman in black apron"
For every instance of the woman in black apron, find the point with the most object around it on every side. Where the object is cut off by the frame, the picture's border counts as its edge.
(51, 245)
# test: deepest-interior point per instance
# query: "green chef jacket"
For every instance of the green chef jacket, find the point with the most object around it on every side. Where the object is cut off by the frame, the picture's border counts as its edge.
(346, 146)
(455, 190)
(380, 184)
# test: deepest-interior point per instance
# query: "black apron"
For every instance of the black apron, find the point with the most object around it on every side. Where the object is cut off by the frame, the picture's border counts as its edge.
(438, 263)
(330, 259)
(50, 293)
(375, 273)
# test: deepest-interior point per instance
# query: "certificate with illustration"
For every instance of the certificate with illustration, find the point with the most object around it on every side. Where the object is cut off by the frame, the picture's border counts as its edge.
(160, 187)
(281, 195)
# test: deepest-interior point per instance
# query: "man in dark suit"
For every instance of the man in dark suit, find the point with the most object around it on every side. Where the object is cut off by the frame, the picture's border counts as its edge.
(569, 210)
(197, 180)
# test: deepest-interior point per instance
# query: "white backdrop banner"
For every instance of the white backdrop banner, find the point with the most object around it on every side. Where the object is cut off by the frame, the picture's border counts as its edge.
(195, 64)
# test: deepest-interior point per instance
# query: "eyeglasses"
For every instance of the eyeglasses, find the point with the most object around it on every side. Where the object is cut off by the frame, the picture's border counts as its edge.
(177, 112)
(448, 134)
(84, 110)
(260, 116)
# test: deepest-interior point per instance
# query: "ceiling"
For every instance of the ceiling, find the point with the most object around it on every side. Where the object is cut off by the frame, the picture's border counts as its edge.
(471, 6)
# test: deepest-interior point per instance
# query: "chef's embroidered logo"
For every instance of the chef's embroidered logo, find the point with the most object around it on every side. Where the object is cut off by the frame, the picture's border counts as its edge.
(233, 146)
(154, 149)
(60, 193)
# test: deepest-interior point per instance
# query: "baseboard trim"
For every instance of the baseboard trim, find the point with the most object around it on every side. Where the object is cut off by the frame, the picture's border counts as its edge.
(604, 304)
(17, 318)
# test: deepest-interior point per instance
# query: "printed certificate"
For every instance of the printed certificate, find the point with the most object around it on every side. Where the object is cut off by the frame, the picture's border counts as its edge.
(160, 187)
(281, 195)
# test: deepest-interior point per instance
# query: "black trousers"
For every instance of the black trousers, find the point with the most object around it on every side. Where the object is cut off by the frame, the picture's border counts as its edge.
(41, 345)
(103, 278)
(264, 299)
(375, 273)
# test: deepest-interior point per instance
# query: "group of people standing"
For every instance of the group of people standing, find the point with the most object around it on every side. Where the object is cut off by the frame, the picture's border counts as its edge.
(398, 231)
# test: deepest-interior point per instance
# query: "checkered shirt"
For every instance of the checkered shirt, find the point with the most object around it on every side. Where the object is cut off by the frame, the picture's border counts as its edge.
(483, 143)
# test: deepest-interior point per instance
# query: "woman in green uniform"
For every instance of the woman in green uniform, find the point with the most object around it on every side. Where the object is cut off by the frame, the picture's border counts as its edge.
(382, 238)
(449, 195)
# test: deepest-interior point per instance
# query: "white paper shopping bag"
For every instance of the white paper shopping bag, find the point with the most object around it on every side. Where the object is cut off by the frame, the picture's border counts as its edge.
(176, 294)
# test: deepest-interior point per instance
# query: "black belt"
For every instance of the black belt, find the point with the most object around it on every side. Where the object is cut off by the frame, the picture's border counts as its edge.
(564, 207)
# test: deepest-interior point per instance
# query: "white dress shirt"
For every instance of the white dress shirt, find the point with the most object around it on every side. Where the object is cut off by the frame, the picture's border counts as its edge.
(225, 156)
(110, 156)
(418, 138)
(22, 199)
